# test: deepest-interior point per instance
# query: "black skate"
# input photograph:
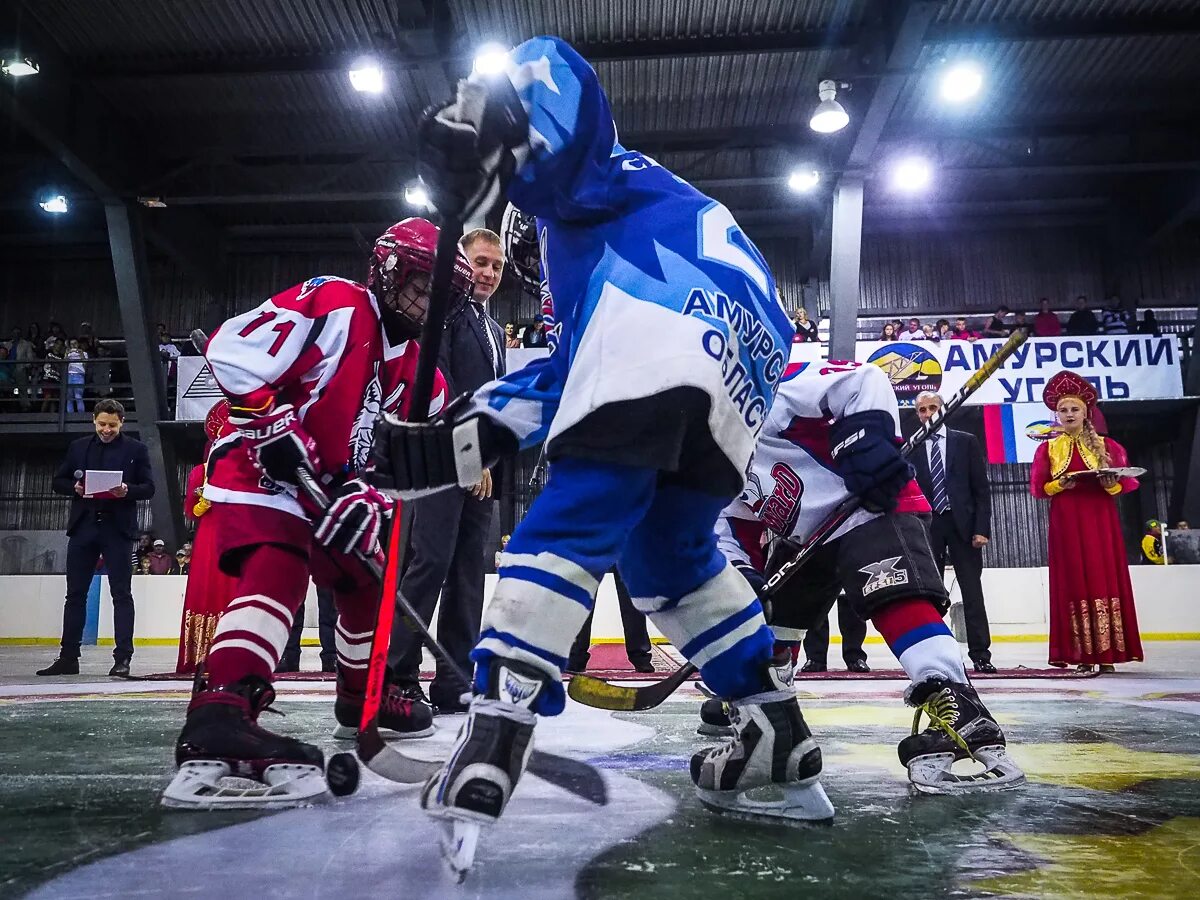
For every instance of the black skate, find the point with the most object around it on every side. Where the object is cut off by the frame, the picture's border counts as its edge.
(714, 718)
(226, 761)
(401, 716)
(771, 748)
(960, 728)
(487, 760)
(714, 712)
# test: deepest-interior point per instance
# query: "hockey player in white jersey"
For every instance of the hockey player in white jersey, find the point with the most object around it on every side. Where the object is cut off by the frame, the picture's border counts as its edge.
(671, 342)
(832, 433)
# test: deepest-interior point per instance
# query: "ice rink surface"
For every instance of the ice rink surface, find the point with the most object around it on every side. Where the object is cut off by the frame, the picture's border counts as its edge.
(1112, 808)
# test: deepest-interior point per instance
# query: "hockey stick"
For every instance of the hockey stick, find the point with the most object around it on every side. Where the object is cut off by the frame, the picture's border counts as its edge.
(605, 695)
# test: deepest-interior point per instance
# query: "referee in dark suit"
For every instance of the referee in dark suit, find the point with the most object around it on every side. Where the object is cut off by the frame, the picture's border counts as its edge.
(451, 527)
(101, 527)
(953, 476)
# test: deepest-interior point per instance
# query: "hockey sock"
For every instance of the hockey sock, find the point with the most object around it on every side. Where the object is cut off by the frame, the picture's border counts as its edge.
(254, 627)
(353, 634)
(920, 639)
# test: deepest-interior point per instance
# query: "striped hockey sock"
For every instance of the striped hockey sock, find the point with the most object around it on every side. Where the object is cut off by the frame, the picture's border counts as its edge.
(920, 639)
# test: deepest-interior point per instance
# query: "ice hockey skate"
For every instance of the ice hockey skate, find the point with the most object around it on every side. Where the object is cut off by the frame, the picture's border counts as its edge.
(960, 729)
(400, 717)
(771, 750)
(714, 712)
(226, 761)
(487, 760)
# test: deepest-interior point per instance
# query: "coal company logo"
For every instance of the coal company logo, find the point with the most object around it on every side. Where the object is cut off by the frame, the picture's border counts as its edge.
(910, 369)
(1042, 430)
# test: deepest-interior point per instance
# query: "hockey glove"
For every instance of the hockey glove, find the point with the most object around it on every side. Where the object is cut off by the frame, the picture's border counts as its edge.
(867, 457)
(469, 149)
(414, 459)
(277, 442)
(353, 520)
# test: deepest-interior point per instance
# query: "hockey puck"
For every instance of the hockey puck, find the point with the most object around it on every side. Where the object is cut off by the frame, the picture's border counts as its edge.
(341, 774)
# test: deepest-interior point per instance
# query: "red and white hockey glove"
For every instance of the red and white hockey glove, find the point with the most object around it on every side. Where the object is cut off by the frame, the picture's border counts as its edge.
(353, 520)
(277, 443)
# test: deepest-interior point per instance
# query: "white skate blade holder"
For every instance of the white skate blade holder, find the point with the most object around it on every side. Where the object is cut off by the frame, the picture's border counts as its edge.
(211, 784)
(459, 840)
(802, 803)
(992, 769)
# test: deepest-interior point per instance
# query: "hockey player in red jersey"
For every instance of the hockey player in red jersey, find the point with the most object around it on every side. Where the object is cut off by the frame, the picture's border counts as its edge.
(308, 372)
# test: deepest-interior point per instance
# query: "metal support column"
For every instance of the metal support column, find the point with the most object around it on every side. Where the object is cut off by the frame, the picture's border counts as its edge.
(845, 267)
(145, 368)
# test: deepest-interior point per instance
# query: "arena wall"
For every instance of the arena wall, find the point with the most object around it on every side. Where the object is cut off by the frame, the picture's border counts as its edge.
(1167, 599)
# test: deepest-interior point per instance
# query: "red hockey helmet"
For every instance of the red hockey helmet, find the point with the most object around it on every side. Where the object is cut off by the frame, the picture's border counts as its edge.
(404, 252)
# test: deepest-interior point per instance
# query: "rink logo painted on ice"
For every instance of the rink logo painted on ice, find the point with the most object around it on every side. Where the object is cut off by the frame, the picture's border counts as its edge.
(883, 574)
(910, 369)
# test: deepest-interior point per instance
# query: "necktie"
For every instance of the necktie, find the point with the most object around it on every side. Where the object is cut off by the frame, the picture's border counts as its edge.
(937, 472)
(487, 334)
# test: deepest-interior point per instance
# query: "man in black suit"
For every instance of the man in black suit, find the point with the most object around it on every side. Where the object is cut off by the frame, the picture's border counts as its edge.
(953, 476)
(451, 527)
(103, 525)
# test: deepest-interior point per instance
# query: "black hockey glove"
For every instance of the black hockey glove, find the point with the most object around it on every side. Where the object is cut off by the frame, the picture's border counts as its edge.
(414, 459)
(867, 457)
(469, 149)
(277, 443)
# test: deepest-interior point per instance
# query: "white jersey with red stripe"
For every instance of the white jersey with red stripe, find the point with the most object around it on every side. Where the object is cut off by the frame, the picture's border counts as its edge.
(793, 484)
(321, 347)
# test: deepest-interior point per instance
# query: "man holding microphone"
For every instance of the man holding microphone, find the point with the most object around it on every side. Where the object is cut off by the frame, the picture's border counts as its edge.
(102, 523)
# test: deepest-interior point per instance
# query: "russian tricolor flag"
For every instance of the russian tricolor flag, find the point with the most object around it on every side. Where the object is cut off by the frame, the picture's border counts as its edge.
(1000, 433)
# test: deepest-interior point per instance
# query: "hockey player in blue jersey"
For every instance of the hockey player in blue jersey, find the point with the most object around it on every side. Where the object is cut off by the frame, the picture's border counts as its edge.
(670, 345)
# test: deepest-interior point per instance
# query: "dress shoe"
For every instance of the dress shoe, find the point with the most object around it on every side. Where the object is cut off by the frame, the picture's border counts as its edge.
(576, 666)
(120, 669)
(1083, 669)
(287, 665)
(61, 666)
(328, 665)
(813, 666)
(859, 665)
(984, 666)
(644, 666)
(1107, 669)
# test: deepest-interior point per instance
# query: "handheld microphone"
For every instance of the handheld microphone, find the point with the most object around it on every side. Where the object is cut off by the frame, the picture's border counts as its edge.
(78, 474)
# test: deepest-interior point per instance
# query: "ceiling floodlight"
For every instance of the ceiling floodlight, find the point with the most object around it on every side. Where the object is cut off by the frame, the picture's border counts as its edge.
(490, 59)
(416, 195)
(152, 202)
(961, 82)
(829, 116)
(56, 204)
(912, 174)
(18, 66)
(804, 180)
(367, 77)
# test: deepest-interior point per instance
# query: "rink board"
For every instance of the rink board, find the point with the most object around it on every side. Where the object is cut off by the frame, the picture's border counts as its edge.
(1168, 605)
(1112, 807)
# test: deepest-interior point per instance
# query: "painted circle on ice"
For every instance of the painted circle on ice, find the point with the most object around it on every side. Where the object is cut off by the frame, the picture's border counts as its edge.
(910, 368)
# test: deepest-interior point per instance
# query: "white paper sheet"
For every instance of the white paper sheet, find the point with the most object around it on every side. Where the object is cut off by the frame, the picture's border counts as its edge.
(98, 481)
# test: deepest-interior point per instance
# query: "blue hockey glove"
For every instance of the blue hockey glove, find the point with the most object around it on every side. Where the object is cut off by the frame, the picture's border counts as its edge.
(867, 457)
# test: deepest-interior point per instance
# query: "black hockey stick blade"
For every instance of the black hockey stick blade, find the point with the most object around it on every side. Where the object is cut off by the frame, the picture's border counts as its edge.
(572, 775)
(626, 698)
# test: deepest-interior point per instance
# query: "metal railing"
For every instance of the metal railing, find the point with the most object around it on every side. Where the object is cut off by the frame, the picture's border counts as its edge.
(46, 390)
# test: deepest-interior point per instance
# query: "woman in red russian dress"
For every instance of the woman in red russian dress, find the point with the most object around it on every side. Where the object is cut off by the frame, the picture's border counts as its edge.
(1092, 616)
(208, 589)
